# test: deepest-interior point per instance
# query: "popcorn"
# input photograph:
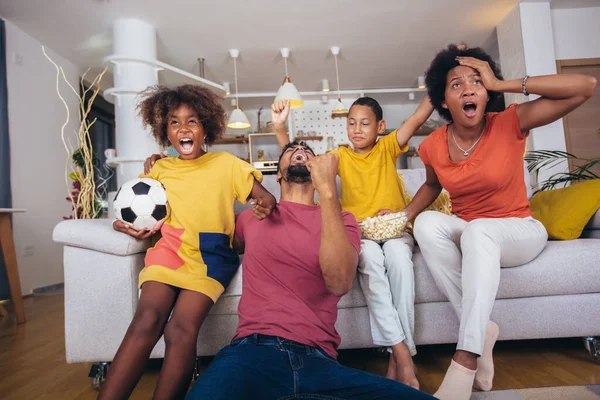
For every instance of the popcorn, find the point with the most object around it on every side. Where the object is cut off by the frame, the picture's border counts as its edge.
(385, 227)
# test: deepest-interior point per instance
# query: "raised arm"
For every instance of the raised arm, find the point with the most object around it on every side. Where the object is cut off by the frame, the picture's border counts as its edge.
(414, 122)
(337, 257)
(560, 94)
(279, 113)
(426, 194)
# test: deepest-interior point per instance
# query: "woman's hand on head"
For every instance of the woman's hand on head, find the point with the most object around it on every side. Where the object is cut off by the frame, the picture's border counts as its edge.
(121, 226)
(488, 78)
(151, 160)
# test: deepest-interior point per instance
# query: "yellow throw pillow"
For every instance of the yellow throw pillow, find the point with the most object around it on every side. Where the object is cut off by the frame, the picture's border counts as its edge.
(564, 212)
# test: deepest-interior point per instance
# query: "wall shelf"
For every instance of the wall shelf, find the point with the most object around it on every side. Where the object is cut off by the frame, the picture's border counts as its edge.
(241, 140)
(298, 138)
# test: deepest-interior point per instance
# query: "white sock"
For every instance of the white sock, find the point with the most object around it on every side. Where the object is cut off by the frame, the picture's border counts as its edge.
(485, 364)
(457, 383)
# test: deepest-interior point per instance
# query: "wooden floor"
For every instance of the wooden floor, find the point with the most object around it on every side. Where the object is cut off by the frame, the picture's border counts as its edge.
(32, 361)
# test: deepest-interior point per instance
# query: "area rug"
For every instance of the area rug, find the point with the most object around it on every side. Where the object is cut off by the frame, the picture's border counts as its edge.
(589, 392)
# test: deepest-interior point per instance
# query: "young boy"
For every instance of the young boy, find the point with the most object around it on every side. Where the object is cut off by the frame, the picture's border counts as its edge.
(371, 186)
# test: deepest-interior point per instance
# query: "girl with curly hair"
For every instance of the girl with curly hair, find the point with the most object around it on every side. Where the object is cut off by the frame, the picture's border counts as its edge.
(478, 158)
(192, 264)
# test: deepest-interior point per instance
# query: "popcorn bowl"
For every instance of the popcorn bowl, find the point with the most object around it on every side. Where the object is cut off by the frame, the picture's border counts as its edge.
(385, 227)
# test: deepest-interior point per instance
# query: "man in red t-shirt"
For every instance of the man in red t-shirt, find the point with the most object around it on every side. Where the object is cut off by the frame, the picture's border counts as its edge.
(298, 262)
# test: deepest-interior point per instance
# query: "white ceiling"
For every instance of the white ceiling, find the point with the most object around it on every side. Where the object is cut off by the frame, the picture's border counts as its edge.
(384, 43)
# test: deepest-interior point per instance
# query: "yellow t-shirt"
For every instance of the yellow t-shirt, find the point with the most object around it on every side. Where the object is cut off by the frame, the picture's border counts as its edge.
(370, 182)
(195, 252)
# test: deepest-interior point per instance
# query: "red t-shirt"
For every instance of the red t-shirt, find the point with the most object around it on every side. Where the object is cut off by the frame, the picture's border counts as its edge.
(490, 182)
(283, 292)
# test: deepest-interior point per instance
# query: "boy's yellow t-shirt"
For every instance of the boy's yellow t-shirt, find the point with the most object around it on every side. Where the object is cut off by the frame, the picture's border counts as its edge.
(370, 182)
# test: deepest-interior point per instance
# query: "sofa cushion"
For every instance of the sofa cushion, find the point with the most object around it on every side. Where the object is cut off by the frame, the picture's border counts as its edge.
(563, 268)
(99, 235)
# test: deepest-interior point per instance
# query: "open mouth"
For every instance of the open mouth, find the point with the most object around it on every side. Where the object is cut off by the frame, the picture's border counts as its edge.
(470, 109)
(299, 157)
(186, 145)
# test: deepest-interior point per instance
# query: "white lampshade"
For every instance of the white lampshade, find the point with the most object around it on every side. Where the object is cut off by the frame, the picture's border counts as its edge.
(421, 82)
(238, 120)
(325, 85)
(288, 91)
(340, 109)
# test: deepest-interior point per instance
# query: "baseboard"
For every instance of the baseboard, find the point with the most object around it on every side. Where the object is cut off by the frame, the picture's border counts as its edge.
(58, 288)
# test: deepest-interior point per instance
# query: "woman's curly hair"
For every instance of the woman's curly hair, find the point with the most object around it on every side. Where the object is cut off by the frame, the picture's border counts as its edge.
(444, 61)
(158, 102)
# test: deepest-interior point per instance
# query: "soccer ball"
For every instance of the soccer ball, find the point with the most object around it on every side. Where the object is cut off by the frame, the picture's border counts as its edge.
(141, 203)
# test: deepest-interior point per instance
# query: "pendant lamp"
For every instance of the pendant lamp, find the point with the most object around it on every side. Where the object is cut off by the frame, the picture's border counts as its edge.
(340, 110)
(237, 119)
(288, 91)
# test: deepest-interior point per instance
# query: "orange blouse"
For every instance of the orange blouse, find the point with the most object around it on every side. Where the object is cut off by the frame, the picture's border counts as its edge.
(490, 182)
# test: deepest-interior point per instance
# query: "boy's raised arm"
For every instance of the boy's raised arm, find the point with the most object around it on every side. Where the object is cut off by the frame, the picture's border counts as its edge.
(414, 122)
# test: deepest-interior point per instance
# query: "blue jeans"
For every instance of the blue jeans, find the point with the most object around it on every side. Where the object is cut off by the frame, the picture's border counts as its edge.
(260, 367)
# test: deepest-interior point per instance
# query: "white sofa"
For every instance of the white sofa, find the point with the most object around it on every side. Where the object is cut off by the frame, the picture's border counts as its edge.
(555, 295)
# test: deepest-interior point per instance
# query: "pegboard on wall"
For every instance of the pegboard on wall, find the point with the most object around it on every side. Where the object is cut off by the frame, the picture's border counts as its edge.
(314, 119)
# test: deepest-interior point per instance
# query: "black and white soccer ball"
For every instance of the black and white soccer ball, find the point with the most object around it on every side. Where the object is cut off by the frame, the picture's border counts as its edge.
(141, 203)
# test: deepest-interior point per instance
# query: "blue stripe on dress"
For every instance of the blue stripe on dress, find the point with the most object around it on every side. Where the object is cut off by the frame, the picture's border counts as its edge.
(220, 259)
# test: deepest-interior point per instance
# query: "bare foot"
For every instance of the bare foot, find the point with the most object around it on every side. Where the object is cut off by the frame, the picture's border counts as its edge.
(408, 376)
(405, 370)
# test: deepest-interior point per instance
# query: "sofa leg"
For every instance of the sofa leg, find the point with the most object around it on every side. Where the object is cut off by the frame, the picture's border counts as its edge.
(198, 368)
(98, 374)
(592, 344)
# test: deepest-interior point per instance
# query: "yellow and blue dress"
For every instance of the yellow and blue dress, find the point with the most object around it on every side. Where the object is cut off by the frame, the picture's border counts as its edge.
(195, 251)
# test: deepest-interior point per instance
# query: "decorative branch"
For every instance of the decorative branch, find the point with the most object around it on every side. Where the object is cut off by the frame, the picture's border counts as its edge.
(80, 163)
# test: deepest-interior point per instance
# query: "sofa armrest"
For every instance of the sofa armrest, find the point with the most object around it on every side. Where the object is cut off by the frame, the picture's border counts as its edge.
(98, 235)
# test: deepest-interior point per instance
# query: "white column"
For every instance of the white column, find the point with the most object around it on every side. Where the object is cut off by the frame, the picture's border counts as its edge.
(526, 44)
(135, 39)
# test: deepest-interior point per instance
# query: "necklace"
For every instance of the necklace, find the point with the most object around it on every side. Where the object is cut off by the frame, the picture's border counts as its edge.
(466, 152)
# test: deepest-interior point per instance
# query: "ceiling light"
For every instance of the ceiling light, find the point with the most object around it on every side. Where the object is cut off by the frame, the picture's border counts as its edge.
(288, 91)
(325, 84)
(421, 82)
(227, 90)
(237, 119)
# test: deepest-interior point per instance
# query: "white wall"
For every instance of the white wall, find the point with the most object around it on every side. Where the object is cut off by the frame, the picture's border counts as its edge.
(576, 32)
(37, 155)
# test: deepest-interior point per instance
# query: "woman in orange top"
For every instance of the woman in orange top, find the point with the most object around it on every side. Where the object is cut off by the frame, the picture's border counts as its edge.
(478, 158)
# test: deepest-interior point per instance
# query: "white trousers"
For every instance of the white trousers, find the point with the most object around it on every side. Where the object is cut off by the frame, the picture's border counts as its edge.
(465, 258)
(387, 280)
